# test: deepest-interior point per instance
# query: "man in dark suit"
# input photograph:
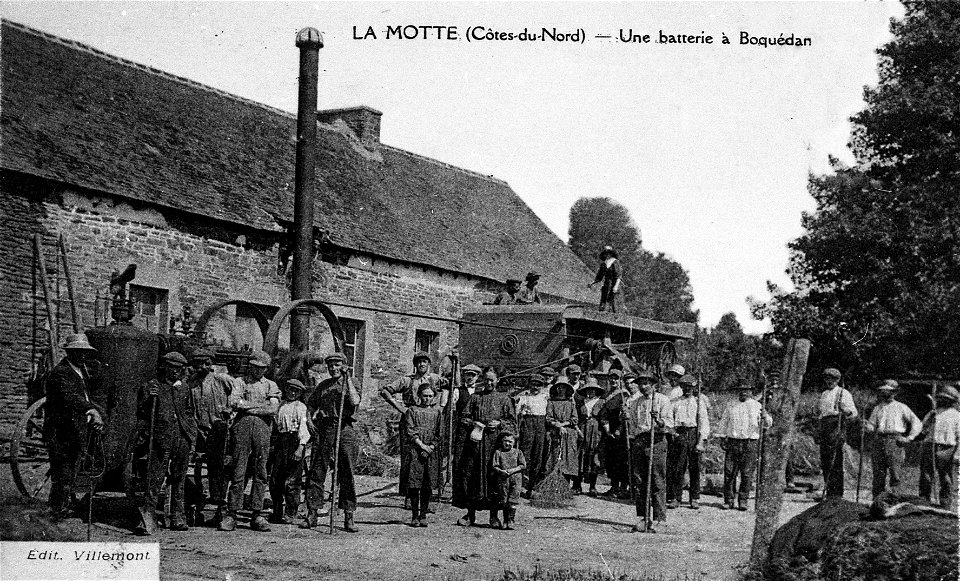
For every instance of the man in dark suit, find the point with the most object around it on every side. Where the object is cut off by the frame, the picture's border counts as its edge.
(169, 411)
(70, 412)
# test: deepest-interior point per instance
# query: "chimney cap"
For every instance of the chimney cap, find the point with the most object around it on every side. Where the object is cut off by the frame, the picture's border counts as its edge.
(309, 38)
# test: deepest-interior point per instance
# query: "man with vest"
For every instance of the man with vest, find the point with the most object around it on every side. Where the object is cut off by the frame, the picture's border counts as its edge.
(255, 400)
(167, 409)
(324, 411)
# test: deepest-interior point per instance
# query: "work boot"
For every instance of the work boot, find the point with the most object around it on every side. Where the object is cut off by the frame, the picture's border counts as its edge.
(228, 523)
(468, 519)
(694, 505)
(217, 517)
(198, 519)
(348, 524)
(592, 491)
(259, 523)
(178, 523)
(495, 520)
(279, 519)
(508, 516)
(422, 522)
(727, 506)
(672, 503)
(742, 505)
(310, 521)
(415, 520)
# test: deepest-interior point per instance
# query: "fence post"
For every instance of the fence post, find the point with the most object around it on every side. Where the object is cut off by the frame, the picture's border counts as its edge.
(782, 406)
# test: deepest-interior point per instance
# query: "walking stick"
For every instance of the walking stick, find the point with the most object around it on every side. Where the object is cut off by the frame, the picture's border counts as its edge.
(336, 451)
(764, 394)
(454, 386)
(649, 516)
(934, 495)
(860, 463)
(624, 425)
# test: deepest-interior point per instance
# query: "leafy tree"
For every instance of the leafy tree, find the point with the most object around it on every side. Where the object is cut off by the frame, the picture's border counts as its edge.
(654, 286)
(877, 271)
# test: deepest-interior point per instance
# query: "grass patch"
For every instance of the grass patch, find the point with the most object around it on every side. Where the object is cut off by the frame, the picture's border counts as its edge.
(562, 574)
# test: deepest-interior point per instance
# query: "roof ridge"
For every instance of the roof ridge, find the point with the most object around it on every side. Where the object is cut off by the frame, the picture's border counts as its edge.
(470, 172)
(142, 67)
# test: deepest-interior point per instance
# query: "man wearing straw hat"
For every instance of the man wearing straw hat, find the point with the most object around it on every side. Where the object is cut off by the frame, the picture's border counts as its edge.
(528, 295)
(610, 274)
(69, 411)
(256, 400)
(692, 425)
(323, 407)
(739, 431)
(940, 452)
(894, 426)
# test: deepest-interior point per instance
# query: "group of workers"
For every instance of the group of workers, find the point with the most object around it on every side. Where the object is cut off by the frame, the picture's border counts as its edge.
(644, 432)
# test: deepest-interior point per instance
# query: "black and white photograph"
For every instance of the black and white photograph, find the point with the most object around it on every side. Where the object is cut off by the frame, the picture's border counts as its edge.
(480, 291)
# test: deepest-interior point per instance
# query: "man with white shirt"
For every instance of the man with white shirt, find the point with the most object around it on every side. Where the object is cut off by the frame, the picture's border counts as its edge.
(739, 431)
(650, 416)
(692, 426)
(532, 414)
(834, 408)
(894, 425)
(672, 388)
(940, 452)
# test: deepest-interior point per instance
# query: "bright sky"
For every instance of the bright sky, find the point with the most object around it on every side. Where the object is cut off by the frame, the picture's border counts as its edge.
(709, 146)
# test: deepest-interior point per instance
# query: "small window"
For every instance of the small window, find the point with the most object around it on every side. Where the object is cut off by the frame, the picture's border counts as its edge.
(150, 308)
(353, 344)
(429, 343)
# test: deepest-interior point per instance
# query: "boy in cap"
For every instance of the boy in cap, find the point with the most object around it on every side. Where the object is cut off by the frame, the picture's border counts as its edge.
(408, 386)
(610, 274)
(528, 295)
(462, 427)
(894, 426)
(166, 408)
(940, 452)
(323, 407)
(834, 407)
(255, 400)
(211, 391)
(70, 411)
(532, 414)
(739, 431)
(672, 388)
(289, 442)
(421, 426)
(692, 426)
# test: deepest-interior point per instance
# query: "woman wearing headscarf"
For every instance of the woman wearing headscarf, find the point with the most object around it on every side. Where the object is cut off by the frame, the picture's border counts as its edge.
(564, 430)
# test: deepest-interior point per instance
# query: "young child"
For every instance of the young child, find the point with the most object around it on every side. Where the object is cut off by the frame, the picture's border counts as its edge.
(290, 439)
(508, 464)
(421, 427)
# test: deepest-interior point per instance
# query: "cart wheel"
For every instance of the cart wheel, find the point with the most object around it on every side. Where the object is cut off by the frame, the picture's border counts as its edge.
(29, 460)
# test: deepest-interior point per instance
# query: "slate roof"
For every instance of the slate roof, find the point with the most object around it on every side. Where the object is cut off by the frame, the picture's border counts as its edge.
(77, 115)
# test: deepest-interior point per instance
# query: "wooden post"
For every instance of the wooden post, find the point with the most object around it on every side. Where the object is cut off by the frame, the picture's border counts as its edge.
(782, 406)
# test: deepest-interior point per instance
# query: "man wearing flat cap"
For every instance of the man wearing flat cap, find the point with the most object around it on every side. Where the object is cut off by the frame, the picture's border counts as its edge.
(614, 428)
(508, 296)
(323, 407)
(894, 425)
(211, 391)
(255, 399)
(70, 412)
(528, 295)
(167, 410)
(610, 274)
(462, 427)
(834, 408)
(407, 386)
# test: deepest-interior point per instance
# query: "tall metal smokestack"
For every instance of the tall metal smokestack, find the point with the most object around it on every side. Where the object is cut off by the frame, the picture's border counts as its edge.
(309, 42)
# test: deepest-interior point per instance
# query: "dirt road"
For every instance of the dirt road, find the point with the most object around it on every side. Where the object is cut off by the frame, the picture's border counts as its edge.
(707, 544)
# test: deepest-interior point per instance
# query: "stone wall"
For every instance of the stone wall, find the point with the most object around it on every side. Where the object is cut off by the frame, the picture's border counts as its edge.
(198, 263)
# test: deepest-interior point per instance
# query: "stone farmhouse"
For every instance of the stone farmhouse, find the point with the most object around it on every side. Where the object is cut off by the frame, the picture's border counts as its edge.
(194, 185)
